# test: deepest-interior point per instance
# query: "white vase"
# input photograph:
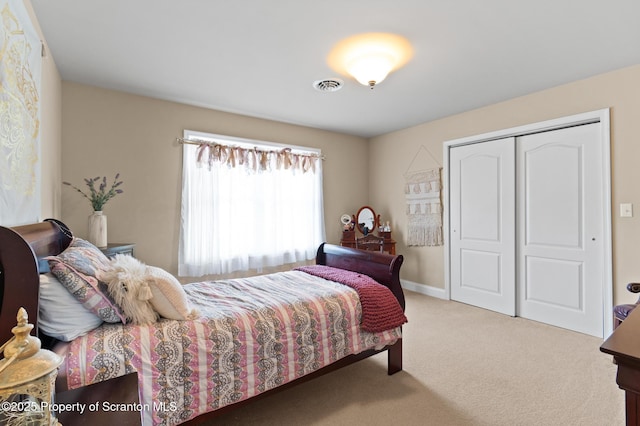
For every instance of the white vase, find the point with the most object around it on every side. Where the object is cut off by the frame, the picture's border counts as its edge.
(98, 229)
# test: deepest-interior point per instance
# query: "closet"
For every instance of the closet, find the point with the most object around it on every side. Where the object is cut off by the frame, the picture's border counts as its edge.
(528, 219)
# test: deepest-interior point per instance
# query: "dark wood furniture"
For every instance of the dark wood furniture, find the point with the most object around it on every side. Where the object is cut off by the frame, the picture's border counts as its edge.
(22, 247)
(365, 223)
(102, 403)
(624, 345)
(370, 242)
(118, 248)
(349, 240)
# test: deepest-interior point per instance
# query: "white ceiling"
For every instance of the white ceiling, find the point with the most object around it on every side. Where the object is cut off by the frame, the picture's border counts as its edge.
(260, 58)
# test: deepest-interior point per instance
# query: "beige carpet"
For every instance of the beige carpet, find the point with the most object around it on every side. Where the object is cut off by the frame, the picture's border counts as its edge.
(462, 366)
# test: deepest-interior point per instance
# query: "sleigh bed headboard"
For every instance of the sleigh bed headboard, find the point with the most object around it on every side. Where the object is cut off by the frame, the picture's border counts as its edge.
(21, 249)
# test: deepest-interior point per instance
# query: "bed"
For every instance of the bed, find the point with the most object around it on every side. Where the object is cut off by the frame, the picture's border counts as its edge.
(201, 380)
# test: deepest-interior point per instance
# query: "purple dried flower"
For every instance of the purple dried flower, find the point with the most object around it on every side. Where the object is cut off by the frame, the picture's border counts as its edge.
(98, 198)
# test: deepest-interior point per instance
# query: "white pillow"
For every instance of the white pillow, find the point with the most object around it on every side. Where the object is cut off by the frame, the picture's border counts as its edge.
(60, 314)
(169, 298)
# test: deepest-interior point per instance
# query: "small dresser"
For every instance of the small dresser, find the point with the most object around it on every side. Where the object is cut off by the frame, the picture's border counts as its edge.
(364, 222)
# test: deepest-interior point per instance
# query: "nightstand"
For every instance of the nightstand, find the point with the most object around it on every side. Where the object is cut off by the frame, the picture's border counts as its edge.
(118, 248)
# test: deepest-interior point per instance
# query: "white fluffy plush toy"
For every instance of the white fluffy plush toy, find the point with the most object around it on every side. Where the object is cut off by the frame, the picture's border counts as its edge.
(127, 283)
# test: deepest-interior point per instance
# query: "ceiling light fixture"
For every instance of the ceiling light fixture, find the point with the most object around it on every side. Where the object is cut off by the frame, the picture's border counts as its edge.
(370, 57)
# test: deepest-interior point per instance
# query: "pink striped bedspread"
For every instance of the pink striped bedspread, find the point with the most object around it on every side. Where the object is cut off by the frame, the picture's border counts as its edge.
(380, 308)
(254, 334)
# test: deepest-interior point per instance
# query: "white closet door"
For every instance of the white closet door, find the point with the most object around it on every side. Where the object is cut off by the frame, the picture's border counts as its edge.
(560, 228)
(482, 225)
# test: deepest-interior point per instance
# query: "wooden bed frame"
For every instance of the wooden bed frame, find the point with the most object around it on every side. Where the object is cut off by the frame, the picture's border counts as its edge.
(23, 247)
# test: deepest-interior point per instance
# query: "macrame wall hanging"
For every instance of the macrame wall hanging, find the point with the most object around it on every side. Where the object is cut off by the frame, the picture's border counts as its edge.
(422, 193)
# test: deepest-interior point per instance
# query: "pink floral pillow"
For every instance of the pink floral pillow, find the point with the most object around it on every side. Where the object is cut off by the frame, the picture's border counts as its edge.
(79, 268)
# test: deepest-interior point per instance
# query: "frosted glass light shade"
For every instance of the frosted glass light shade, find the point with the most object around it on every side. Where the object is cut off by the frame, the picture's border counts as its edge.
(370, 57)
(371, 69)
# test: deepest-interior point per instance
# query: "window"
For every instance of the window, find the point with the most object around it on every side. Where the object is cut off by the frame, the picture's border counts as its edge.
(247, 205)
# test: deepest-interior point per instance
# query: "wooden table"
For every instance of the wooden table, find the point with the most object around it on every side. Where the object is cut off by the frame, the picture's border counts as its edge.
(624, 345)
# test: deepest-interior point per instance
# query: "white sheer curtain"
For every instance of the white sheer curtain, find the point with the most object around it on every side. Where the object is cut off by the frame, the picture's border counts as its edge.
(235, 219)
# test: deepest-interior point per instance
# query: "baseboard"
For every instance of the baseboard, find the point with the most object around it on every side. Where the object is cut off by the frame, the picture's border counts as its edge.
(424, 289)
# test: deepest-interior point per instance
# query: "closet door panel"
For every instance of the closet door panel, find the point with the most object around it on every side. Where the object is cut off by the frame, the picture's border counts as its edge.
(557, 283)
(560, 216)
(553, 188)
(482, 222)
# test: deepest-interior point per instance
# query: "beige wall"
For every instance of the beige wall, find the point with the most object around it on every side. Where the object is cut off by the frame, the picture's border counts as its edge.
(107, 132)
(391, 155)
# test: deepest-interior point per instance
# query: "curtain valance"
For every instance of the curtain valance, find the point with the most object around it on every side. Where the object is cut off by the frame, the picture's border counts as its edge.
(253, 159)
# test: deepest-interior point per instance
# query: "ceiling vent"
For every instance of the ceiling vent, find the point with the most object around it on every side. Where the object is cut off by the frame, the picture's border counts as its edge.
(328, 85)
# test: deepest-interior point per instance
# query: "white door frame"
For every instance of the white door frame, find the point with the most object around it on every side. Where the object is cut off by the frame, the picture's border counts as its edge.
(601, 116)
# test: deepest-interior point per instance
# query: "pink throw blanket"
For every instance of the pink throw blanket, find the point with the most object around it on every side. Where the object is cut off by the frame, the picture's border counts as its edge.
(380, 308)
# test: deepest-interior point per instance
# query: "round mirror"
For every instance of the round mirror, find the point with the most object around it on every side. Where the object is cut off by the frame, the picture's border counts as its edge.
(366, 218)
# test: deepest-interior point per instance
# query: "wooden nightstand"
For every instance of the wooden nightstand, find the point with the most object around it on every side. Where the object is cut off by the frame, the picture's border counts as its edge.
(118, 248)
(101, 402)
